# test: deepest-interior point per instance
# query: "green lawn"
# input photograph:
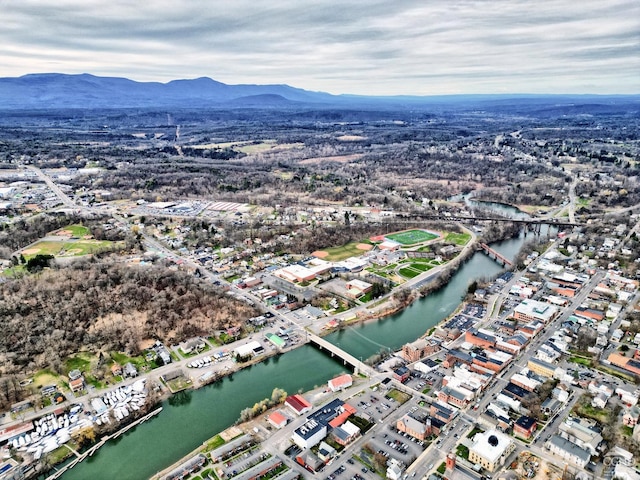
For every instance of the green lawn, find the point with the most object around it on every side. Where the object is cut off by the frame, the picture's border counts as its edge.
(408, 272)
(345, 251)
(81, 361)
(582, 361)
(77, 230)
(462, 451)
(423, 267)
(214, 443)
(460, 239)
(411, 237)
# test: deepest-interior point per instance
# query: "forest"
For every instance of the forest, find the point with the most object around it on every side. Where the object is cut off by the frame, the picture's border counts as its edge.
(102, 305)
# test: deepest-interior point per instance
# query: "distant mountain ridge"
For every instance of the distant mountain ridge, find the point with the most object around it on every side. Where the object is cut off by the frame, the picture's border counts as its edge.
(56, 90)
(59, 91)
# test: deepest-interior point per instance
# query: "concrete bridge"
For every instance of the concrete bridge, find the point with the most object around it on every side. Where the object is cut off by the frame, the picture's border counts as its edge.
(358, 366)
(495, 255)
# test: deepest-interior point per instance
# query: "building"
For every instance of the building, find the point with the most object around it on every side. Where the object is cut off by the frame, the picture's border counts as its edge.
(357, 288)
(277, 419)
(479, 338)
(401, 374)
(309, 434)
(116, 370)
(541, 368)
(346, 433)
(419, 429)
(490, 449)
(530, 310)
(395, 469)
(425, 366)
(414, 351)
(76, 384)
(129, 370)
(568, 451)
(630, 364)
(340, 383)
(579, 431)
(251, 349)
(298, 404)
(192, 344)
(444, 413)
(459, 397)
(310, 461)
(525, 427)
(326, 452)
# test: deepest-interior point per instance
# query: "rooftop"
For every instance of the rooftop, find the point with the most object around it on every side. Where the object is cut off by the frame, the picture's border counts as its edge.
(490, 445)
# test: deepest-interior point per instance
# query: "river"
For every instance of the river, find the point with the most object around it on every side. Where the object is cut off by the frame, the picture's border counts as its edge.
(184, 425)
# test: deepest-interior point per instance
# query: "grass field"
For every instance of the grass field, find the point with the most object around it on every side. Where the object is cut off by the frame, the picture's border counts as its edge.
(77, 230)
(414, 269)
(345, 251)
(45, 377)
(398, 396)
(81, 361)
(460, 239)
(411, 237)
(67, 249)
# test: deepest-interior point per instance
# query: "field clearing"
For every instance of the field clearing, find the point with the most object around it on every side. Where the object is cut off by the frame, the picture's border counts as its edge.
(335, 254)
(460, 239)
(412, 237)
(533, 209)
(67, 249)
(351, 138)
(45, 377)
(337, 159)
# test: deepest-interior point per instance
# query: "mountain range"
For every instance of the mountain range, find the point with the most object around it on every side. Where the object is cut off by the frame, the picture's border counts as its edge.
(57, 91)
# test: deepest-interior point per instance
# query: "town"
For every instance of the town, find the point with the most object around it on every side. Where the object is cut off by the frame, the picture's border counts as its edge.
(534, 374)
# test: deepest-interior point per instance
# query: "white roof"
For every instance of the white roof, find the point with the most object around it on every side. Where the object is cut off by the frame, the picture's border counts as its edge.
(490, 445)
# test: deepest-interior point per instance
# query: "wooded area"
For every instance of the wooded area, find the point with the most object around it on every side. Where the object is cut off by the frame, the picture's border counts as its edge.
(100, 305)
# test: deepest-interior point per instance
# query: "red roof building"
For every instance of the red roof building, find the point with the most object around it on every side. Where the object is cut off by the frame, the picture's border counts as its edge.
(341, 382)
(298, 404)
(277, 419)
(347, 411)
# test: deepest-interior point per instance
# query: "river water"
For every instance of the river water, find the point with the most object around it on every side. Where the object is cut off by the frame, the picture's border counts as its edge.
(185, 423)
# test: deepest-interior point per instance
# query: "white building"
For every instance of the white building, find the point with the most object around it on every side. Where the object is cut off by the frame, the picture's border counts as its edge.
(568, 451)
(309, 434)
(490, 449)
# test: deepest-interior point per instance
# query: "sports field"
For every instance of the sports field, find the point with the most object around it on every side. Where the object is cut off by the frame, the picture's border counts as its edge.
(335, 254)
(411, 237)
(66, 249)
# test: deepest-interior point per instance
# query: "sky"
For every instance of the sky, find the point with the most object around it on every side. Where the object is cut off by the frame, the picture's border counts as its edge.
(366, 47)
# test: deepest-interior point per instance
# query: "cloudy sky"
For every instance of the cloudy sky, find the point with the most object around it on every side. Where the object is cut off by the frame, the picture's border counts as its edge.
(379, 47)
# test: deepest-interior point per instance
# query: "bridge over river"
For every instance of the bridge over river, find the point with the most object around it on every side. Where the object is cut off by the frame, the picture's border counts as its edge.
(358, 366)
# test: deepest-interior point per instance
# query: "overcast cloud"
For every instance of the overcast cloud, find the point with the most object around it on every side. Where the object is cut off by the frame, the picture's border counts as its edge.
(388, 47)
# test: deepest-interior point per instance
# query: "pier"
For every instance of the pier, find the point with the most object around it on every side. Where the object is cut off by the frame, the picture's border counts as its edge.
(495, 255)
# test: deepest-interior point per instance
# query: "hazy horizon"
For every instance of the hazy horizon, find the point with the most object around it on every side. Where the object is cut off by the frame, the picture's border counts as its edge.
(375, 48)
